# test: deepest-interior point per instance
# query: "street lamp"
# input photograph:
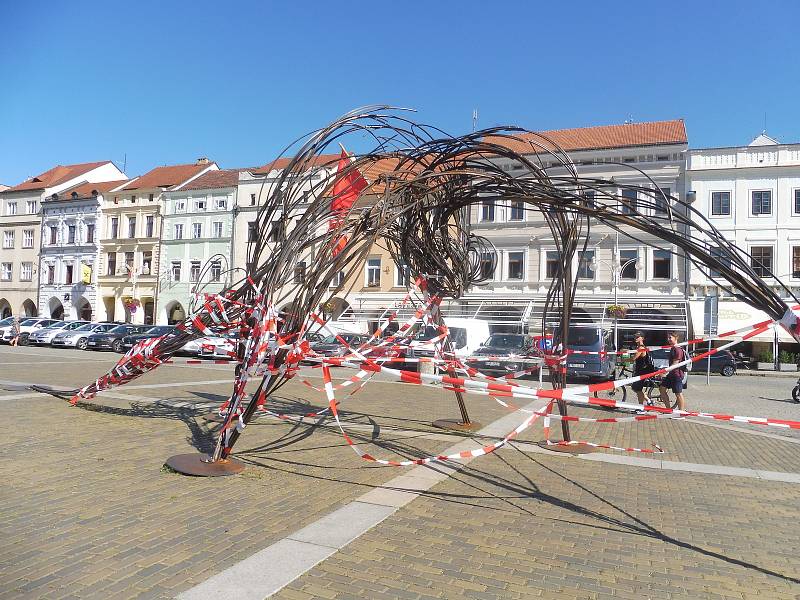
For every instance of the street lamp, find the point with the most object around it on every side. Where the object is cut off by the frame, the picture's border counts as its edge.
(616, 272)
(132, 274)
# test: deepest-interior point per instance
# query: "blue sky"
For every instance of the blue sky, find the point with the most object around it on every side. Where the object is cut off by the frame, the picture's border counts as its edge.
(166, 82)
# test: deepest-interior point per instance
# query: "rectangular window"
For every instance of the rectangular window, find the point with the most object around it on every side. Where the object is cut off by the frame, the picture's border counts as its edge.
(761, 260)
(628, 260)
(630, 203)
(53, 235)
(517, 211)
(90, 234)
(194, 270)
(147, 262)
(114, 227)
(402, 275)
(720, 203)
(662, 264)
(148, 226)
(26, 273)
(180, 205)
(32, 206)
(71, 234)
(552, 264)
(586, 264)
(176, 270)
(131, 227)
(762, 202)
(276, 231)
(487, 265)
(5, 271)
(133, 198)
(8, 238)
(797, 201)
(216, 270)
(487, 210)
(216, 228)
(300, 272)
(221, 203)
(150, 197)
(252, 199)
(373, 272)
(661, 201)
(589, 196)
(200, 205)
(129, 263)
(337, 280)
(796, 262)
(111, 261)
(178, 231)
(516, 266)
(197, 230)
(51, 274)
(252, 231)
(27, 238)
(68, 275)
(11, 208)
(720, 256)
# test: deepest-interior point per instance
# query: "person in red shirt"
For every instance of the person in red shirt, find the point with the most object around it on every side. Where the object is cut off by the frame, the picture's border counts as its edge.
(674, 379)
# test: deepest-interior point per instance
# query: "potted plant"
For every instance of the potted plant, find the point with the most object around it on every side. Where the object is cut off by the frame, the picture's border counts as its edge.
(616, 311)
(766, 361)
(788, 361)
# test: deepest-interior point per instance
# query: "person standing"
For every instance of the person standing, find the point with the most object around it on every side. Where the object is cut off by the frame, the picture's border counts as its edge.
(642, 365)
(674, 379)
(14, 331)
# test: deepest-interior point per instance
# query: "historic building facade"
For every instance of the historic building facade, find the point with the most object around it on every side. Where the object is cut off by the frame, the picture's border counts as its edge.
(20, 230)
(70, 251)
(752, 195)
(196, 241)
(129, 267)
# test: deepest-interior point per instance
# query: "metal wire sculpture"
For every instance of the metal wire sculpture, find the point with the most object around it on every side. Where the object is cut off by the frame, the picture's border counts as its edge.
(420, 186)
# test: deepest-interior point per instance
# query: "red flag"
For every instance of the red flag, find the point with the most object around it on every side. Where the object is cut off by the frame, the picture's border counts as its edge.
(346, 189)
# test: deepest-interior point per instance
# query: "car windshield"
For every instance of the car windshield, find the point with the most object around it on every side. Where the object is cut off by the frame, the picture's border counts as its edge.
(6, 321)
(57, 325)
(583, 337)
(71, 326)
(160, 330)
(87, 327)
(120, 329)
(506, 341)
(27, 322)
(350, 338)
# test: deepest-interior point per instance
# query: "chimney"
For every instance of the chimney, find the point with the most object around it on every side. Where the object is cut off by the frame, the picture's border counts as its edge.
(202, 161)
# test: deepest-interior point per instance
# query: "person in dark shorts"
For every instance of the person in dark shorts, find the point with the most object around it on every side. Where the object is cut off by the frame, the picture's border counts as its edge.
(642, 365)
(674, 379)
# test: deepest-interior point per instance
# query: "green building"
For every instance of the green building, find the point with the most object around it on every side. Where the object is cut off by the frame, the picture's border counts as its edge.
(196, 240)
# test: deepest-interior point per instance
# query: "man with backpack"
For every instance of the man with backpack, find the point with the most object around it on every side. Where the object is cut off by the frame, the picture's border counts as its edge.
(642, 365)
(674, 379)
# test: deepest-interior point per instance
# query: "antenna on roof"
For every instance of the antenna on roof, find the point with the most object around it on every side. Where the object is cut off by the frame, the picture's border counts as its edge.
(474, 119)
(124, 161)
(628, 121)
(765, 123)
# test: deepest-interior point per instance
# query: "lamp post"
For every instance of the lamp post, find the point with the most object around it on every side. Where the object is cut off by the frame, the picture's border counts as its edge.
(616, 274)
(132, 273)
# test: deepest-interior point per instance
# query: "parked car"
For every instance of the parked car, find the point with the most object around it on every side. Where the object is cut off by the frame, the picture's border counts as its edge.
(466, 335)
(79, 337)
(112, 339)
(26, 327)
(332, 345)
(722, 362)
(45, 336)
(600, 363)
(217, 347)
(129, 341)
(660, 358)
(504, 353)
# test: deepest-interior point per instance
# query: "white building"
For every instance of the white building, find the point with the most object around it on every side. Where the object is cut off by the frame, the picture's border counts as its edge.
(70, 251)
(752, 195)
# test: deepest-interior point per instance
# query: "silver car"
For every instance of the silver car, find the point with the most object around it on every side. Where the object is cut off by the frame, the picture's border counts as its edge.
(45, 336)
(79, 337)
(26, 327)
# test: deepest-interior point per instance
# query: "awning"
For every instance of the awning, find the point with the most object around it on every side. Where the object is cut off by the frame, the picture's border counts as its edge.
(735, 315)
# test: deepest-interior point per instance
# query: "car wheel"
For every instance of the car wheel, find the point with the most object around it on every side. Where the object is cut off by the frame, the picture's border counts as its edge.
(117, 346)
(23, 340)
(728, 370)
(82, 344)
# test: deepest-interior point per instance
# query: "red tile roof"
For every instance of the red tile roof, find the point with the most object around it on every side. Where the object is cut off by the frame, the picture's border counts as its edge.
(281, 163)
(57, 175)
(215, 179)
(167, 176)
(85, 189)
(597, 138)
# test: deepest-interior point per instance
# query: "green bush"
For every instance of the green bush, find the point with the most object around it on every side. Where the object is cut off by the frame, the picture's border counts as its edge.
(787, 358)
(766, 357)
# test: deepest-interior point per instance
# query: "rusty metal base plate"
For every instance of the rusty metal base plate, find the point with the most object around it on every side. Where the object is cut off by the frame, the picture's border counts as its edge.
(571, 449)
(201, 465)
(456, 425)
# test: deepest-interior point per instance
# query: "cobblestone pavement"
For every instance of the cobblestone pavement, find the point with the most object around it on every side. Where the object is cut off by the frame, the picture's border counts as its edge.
(88, 511)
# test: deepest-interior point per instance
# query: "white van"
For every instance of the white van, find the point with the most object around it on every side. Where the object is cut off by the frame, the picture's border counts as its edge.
(466, 335)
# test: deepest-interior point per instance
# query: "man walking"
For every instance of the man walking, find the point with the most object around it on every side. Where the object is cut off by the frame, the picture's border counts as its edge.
(14, 331)
(674, 379)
